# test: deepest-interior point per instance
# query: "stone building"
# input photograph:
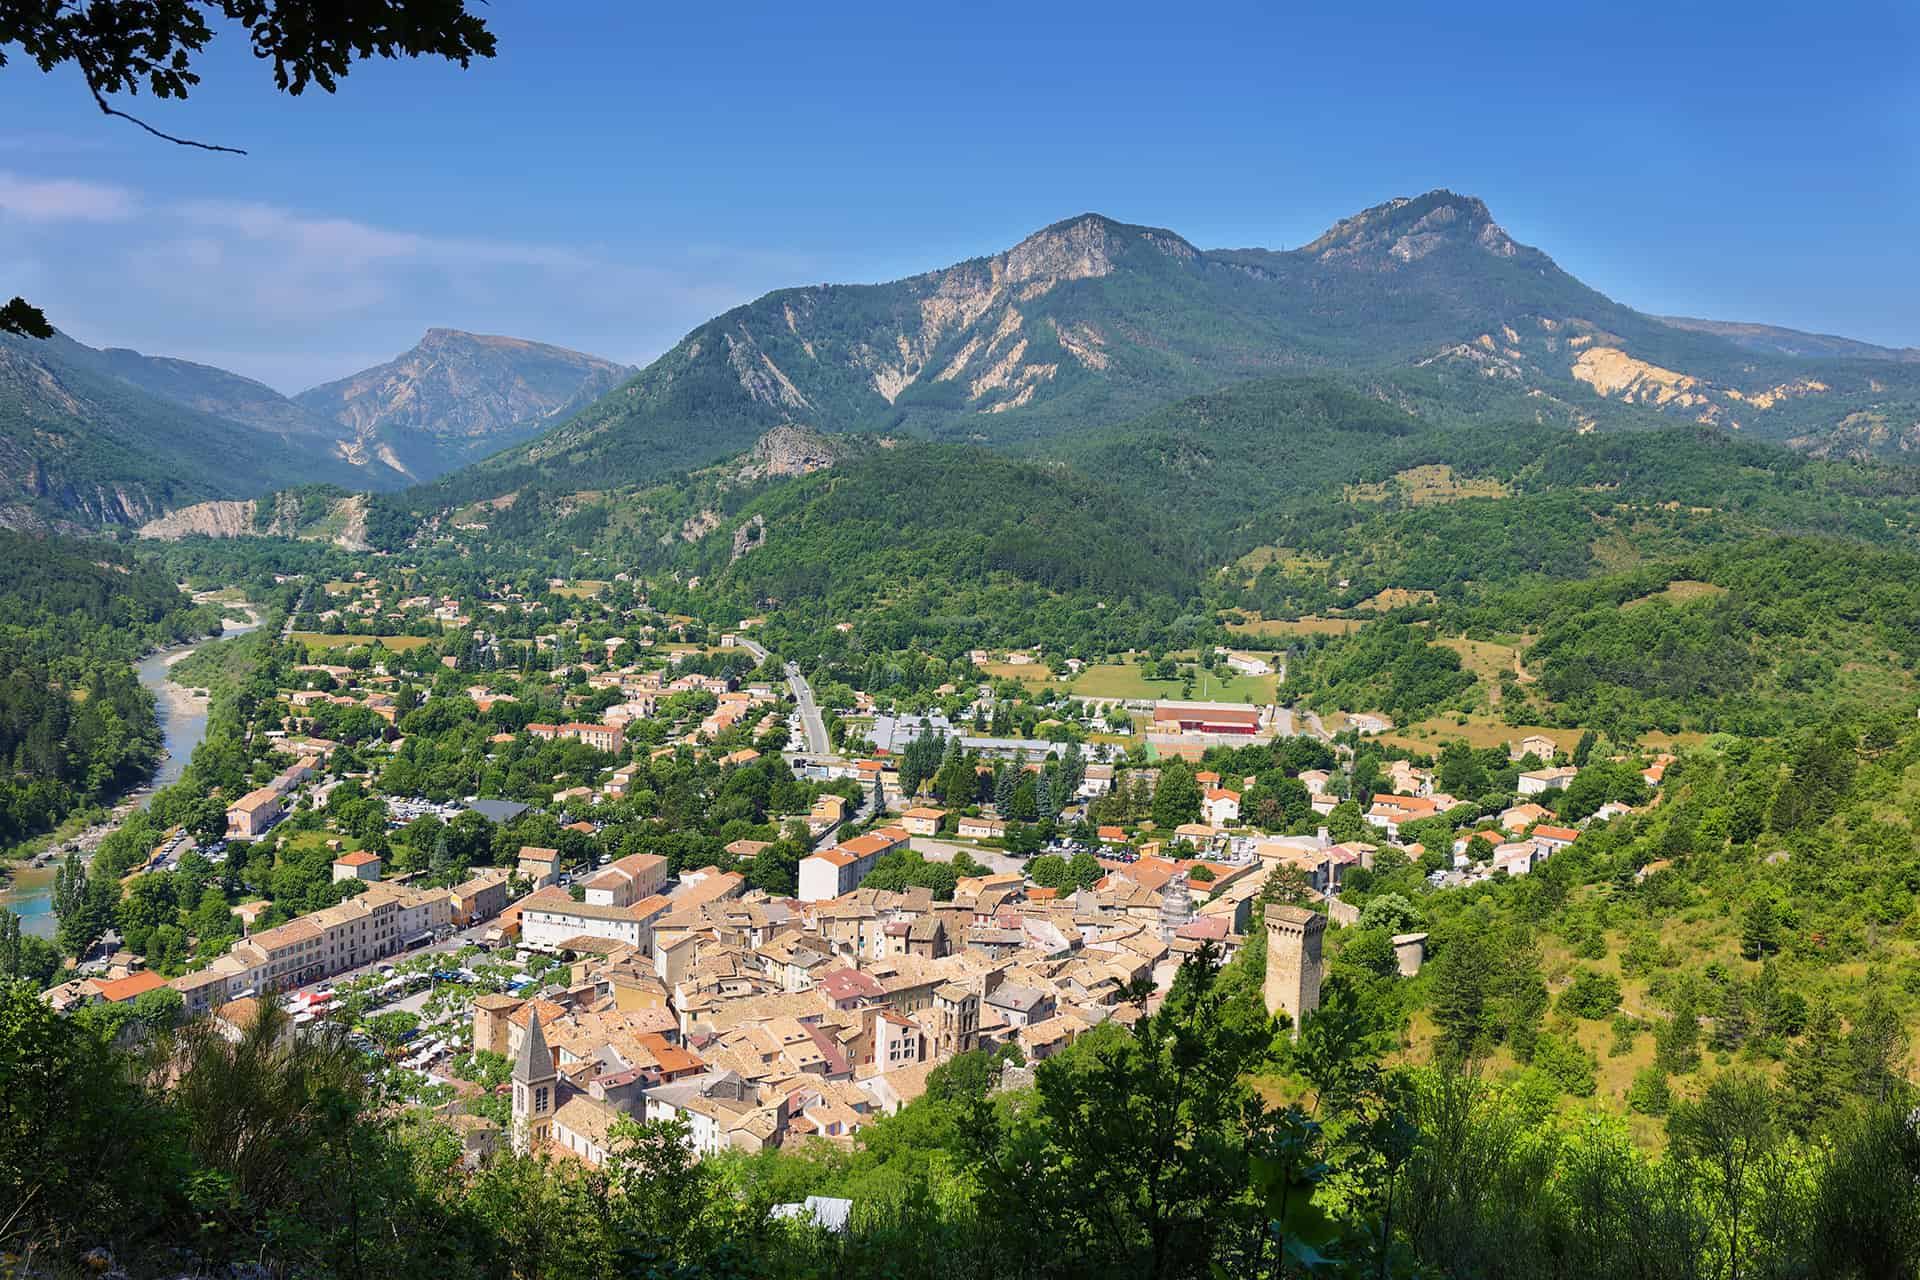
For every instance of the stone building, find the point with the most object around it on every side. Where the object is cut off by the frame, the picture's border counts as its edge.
(1293, 960)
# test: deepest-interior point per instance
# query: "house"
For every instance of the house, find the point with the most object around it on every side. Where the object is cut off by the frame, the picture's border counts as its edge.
(1389, 812)
(1096, 781)
(1554, 839)
(1522, 816)
(1409, 780)
(121, 990)
(981, 828)
(1540, 781)
(539, 867)
(1518, 858)
(923, 820)
(550, 919)
(253, 813)
(1537, 745)
(627, 881)
(481, 898)
(832, 872)
(358, 865)
(1220, 807)
(828, 811)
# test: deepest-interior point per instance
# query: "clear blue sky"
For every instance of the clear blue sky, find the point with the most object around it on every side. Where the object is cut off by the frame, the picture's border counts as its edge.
(621, 172)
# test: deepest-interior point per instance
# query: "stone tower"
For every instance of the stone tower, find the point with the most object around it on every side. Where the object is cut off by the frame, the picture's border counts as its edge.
(1293, 960)
(535, 1083)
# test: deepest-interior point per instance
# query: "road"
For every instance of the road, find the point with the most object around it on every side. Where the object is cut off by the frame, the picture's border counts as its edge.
(813, 727)
(286, 631)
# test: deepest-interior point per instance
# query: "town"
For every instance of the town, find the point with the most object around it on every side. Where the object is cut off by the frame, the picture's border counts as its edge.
(853, 899)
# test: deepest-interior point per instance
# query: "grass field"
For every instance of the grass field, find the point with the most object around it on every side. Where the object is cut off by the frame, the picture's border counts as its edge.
(320, 640)
(1033, 673)
(1307, 626)
(1106, 680)
(1425, 485)
(1395, 598)
(1680, 591)
(1480, 730)
(585, 589)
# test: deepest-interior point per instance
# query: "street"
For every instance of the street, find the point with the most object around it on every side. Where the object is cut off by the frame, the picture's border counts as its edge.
(812, 726)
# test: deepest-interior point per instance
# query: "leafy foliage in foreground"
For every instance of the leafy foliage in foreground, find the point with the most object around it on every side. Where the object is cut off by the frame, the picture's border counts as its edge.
(1139, 1151)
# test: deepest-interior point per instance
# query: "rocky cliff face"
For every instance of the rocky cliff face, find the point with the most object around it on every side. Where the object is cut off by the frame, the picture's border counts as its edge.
(282, 515)
(1405, 230)
(789, 451)
(205, 519)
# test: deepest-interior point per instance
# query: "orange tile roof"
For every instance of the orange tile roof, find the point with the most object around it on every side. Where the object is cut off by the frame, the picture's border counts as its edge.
(130, 986)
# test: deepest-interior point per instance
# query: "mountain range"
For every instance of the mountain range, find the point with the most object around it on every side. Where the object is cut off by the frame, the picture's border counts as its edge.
(93, 437)
(1091, 321)
(1423, 303)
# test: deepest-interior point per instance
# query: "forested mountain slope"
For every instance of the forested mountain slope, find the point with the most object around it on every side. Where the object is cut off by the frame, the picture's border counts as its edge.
(80, 444)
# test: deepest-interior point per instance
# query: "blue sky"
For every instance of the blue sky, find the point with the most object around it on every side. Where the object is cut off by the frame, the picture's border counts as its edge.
(621, 172)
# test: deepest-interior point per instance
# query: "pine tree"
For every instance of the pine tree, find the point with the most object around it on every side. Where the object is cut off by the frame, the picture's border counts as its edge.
(1876, 1046)
(1004, 783)
(1729, 1020)
(1676, 1043)
(1584, 748)
(1463, 974)
(1815, 1075)
(1759, 930)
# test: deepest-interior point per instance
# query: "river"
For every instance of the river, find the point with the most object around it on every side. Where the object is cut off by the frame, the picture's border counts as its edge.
(183, 723)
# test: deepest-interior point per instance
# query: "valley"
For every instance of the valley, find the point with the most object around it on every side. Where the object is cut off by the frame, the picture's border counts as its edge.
(1409, 681)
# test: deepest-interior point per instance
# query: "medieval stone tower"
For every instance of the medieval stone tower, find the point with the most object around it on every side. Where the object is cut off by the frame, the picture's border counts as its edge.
(1293, 960)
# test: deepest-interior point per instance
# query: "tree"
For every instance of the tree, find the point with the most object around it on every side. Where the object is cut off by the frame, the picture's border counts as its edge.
(1049, 871)
(1084, 870)
(1391, 913)
(1592, 995)
(1876, 1048)
(120, 46)
(1815, 1077)
(1463, 974)
(1676, 1042)
(1759, 930)
(1729, 1030)
(1176, 797)
(1143, 1130)
(1723, 1137)
(1583, 749)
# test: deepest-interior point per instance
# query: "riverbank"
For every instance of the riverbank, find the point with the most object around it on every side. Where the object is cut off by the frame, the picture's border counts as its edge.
(26, 878)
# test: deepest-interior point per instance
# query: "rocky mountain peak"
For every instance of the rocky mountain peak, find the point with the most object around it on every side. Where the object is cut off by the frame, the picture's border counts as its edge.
(1408, 228)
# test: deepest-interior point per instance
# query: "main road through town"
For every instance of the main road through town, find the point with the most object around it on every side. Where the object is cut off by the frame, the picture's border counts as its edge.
(812, 725)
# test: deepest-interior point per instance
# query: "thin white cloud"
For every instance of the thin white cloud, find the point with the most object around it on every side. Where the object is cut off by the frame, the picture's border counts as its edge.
(309, 293)
(64, 199)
